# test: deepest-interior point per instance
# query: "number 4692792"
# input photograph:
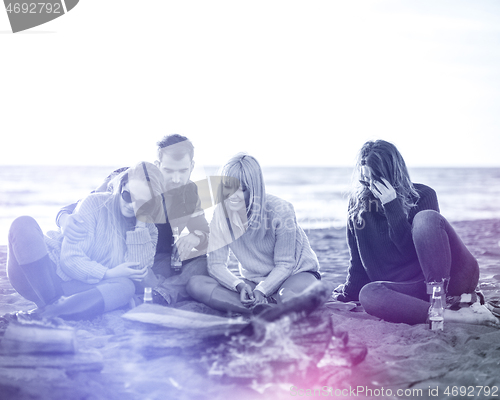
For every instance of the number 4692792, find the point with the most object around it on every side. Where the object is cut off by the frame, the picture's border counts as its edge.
(34, 8)
(471, 391)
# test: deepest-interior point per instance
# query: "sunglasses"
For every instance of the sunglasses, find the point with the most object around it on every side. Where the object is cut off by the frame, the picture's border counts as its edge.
(126, 196)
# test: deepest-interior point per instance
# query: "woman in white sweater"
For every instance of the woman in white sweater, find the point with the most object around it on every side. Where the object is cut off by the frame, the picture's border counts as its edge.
(276, 261)
(77, 280)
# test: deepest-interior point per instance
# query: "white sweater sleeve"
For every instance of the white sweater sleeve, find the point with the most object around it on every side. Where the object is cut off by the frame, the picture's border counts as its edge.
(217, 268)
(284, 251)
(141, 245)
(75, 261)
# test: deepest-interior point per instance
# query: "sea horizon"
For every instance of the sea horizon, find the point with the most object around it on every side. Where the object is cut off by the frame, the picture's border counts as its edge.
(318, 194)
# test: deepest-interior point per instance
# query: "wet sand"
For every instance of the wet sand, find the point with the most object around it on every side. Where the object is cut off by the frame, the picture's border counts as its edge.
(120, 359)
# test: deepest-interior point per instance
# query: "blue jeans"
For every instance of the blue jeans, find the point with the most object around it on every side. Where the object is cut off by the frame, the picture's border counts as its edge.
(441, 255)
(172, 286)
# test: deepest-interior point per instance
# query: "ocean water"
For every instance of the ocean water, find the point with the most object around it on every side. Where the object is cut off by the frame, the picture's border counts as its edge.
(319, 194)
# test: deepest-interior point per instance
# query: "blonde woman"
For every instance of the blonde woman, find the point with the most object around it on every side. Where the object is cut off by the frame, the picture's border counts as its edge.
(276, 261)
(81, 279)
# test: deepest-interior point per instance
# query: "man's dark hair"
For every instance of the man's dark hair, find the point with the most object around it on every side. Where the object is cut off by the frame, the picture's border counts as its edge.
(175, 145)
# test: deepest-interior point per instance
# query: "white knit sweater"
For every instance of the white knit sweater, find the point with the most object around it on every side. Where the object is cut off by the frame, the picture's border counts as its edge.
(89, 259)
(267, 254)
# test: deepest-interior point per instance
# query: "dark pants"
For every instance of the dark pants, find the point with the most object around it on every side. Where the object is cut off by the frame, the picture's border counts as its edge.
(27, 247)
(170, 284)
(442, 255)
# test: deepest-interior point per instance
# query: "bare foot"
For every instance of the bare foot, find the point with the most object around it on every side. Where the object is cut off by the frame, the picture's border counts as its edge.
(475, 314)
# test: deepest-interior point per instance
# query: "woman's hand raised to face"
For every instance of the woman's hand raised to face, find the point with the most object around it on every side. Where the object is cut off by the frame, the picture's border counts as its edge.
(383, 191)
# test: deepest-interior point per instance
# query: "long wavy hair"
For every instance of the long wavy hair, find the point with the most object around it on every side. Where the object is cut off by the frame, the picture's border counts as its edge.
(150, 212)
(385, 161)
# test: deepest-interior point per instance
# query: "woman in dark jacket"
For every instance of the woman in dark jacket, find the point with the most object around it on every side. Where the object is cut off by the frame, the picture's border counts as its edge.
(401, 246)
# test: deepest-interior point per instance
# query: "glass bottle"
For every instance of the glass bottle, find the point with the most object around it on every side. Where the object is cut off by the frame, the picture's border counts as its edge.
(175, 260)
(436, 310)
(148, 296)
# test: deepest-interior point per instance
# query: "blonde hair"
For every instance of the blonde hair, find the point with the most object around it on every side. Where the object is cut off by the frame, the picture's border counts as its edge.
(247, 171)
(118, 224)
(241, 170)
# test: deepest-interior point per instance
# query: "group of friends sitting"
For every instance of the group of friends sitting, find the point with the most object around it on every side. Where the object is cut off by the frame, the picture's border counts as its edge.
(122, 238)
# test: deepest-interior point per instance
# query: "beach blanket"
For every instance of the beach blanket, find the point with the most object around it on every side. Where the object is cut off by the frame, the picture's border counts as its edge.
(181, 319)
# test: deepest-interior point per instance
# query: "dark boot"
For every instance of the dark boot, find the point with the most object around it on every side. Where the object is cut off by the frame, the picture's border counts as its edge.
(41, 277)
(84, 305)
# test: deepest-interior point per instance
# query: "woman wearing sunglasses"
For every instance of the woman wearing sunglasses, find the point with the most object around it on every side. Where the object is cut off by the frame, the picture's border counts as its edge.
(401, 246)
(81, 279)
(276, 261)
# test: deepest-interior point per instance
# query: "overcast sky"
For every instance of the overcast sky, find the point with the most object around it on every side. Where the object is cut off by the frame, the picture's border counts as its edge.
(291, 82)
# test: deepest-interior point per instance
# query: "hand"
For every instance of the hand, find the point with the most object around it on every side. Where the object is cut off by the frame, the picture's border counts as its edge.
(246, 294)
(185, 244)
(338, 293)
(339, 288)
(72, 227)
(151, 280)
(337, 296)
(127, 270)
(383, 191)
(260, 298)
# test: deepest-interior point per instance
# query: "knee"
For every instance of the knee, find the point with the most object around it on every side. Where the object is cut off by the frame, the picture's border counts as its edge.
(22, 227)
(370, 296)
(191, 286)
(295, 285)
(198, 285)
(116, 292)
(126, 287)
(198, 266)
(426, 218)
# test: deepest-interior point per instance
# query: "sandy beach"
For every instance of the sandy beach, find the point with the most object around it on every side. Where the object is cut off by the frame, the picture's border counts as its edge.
(121, 359)
(304, 87)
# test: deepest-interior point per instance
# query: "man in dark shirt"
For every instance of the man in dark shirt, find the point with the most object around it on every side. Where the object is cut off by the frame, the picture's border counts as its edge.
(183, 209)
